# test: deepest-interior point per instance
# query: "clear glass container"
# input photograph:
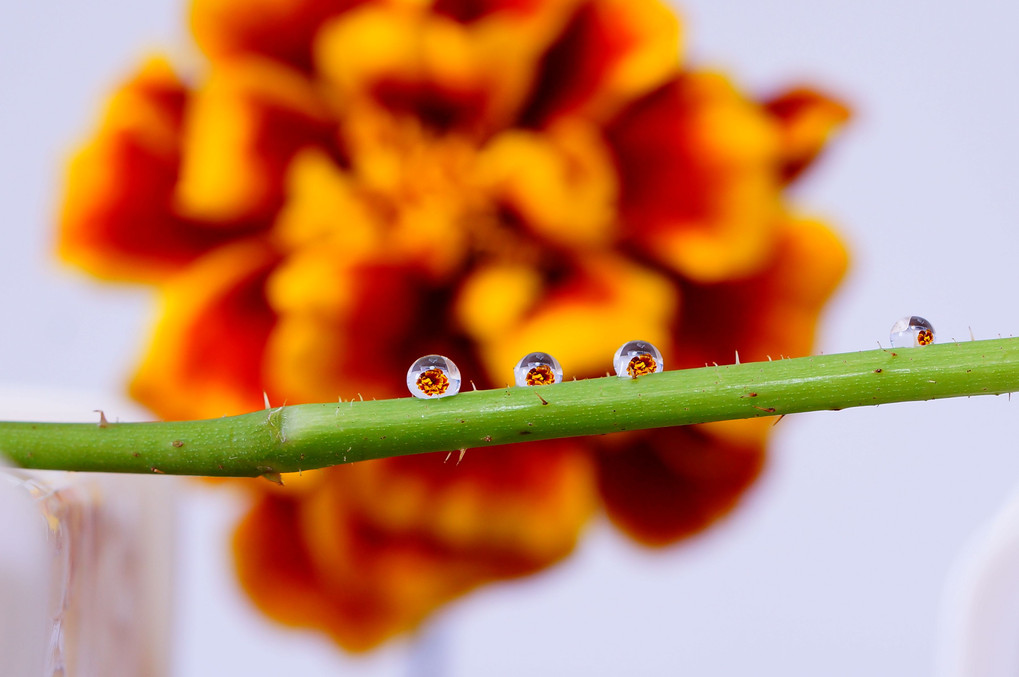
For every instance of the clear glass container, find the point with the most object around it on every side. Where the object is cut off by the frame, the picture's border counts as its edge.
(85, 566)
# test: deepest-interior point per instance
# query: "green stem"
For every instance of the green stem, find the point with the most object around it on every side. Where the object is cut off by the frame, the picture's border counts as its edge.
(307, 436)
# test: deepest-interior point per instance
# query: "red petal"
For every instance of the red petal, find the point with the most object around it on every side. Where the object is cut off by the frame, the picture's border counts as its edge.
(663, 485)
(206, 356)
(807, 119)
(609, 53)
(118, 219)
(468, 11)
(280, 29)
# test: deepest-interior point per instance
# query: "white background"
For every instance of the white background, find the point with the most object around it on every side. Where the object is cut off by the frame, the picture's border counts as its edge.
(837, 561)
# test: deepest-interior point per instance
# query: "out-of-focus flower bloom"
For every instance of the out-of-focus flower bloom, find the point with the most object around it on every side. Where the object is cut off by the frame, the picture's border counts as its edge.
(354, 184)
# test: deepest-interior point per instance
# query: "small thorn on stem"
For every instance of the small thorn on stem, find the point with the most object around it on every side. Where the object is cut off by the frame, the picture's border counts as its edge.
(543, 400)
(737, 357)
(103, 423)
(445, 460)
(265, 398)
(474, 387)
(273, 477)
(769, 358)
(780, 417)
(462, 452)
(971, 336)
(360, 397)
(768, 410)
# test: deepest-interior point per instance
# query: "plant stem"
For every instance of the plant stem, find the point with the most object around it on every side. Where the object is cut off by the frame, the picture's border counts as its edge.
(303, 437)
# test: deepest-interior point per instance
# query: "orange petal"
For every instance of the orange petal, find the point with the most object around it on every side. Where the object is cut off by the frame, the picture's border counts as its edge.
(580, 320)
(700, 192)
(244, 125)
(807, 120)
(205, 359)
(117, 219)
(370, 552)
(611, 52)
(274, 568)
(561, 182)
(663, 485)
(527, 500)
(471, 77)
(384, 324)
(470, 11)
(771, 314)
(280, 29)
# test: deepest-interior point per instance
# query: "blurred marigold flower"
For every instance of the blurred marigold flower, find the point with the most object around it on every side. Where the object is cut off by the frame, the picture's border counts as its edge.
(354, 184)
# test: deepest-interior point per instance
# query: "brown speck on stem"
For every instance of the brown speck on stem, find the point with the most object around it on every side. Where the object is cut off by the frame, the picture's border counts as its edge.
(157, 470)
(136, 454)
(487, 438)
(878, 370)
(177, 443)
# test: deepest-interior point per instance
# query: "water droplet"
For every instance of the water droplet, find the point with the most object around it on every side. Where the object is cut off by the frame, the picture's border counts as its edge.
(637, 358)
(433, 376)
(537, 369)
(912, 331)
